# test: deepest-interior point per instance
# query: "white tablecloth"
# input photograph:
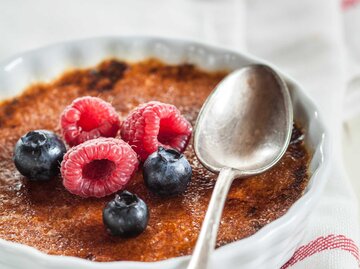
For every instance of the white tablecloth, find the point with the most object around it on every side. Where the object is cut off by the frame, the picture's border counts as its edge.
(316, 41)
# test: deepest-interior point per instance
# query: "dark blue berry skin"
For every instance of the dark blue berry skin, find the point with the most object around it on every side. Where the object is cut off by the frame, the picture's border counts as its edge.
(38, 154)
(126, 215)
(166, 172)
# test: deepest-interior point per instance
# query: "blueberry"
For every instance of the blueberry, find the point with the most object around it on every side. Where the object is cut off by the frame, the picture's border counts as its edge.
(38, 154)
(126, 215)
(167, 172)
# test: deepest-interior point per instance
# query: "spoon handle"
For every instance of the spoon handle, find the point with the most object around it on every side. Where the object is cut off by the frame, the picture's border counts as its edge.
(206, 241)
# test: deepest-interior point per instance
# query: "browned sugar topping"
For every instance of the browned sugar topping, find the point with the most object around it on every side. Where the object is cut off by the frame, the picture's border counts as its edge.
(44, 215)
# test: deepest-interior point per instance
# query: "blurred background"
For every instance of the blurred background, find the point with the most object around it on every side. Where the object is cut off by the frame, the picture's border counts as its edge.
(315, 41)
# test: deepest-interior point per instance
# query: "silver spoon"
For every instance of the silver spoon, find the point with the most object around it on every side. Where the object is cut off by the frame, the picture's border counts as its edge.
(243, 129)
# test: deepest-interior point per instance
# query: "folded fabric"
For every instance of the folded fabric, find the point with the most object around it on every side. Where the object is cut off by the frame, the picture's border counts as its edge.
(304, 38)
(307, 41)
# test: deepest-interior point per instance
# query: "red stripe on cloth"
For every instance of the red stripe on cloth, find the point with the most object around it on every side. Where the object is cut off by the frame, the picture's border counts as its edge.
(324, 243)
(345, 4)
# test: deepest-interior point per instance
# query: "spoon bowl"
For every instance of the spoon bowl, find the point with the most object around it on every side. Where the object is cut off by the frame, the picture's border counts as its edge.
(245, 123)
(243, 129)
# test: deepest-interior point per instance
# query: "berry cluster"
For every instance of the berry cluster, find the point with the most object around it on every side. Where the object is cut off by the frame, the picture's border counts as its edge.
(100, 162)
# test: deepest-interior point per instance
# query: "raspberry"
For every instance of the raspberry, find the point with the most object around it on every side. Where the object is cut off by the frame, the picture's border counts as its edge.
(156, 124)
(98, 167)
(88, 118)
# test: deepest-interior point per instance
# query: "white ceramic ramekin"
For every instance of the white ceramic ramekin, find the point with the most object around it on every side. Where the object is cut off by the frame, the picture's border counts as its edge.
(271, 246)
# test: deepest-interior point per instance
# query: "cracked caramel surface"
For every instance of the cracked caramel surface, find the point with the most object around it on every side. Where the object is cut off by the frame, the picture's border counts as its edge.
(46, 216)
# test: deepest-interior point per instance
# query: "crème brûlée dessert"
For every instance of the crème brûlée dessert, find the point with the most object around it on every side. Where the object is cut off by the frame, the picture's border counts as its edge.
(58, 217)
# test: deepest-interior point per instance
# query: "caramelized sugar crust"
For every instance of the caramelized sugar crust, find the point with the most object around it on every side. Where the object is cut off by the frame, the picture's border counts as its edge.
(44, 215)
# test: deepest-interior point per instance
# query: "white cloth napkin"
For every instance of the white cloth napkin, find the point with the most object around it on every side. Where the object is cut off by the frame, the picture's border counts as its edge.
(305, 38)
